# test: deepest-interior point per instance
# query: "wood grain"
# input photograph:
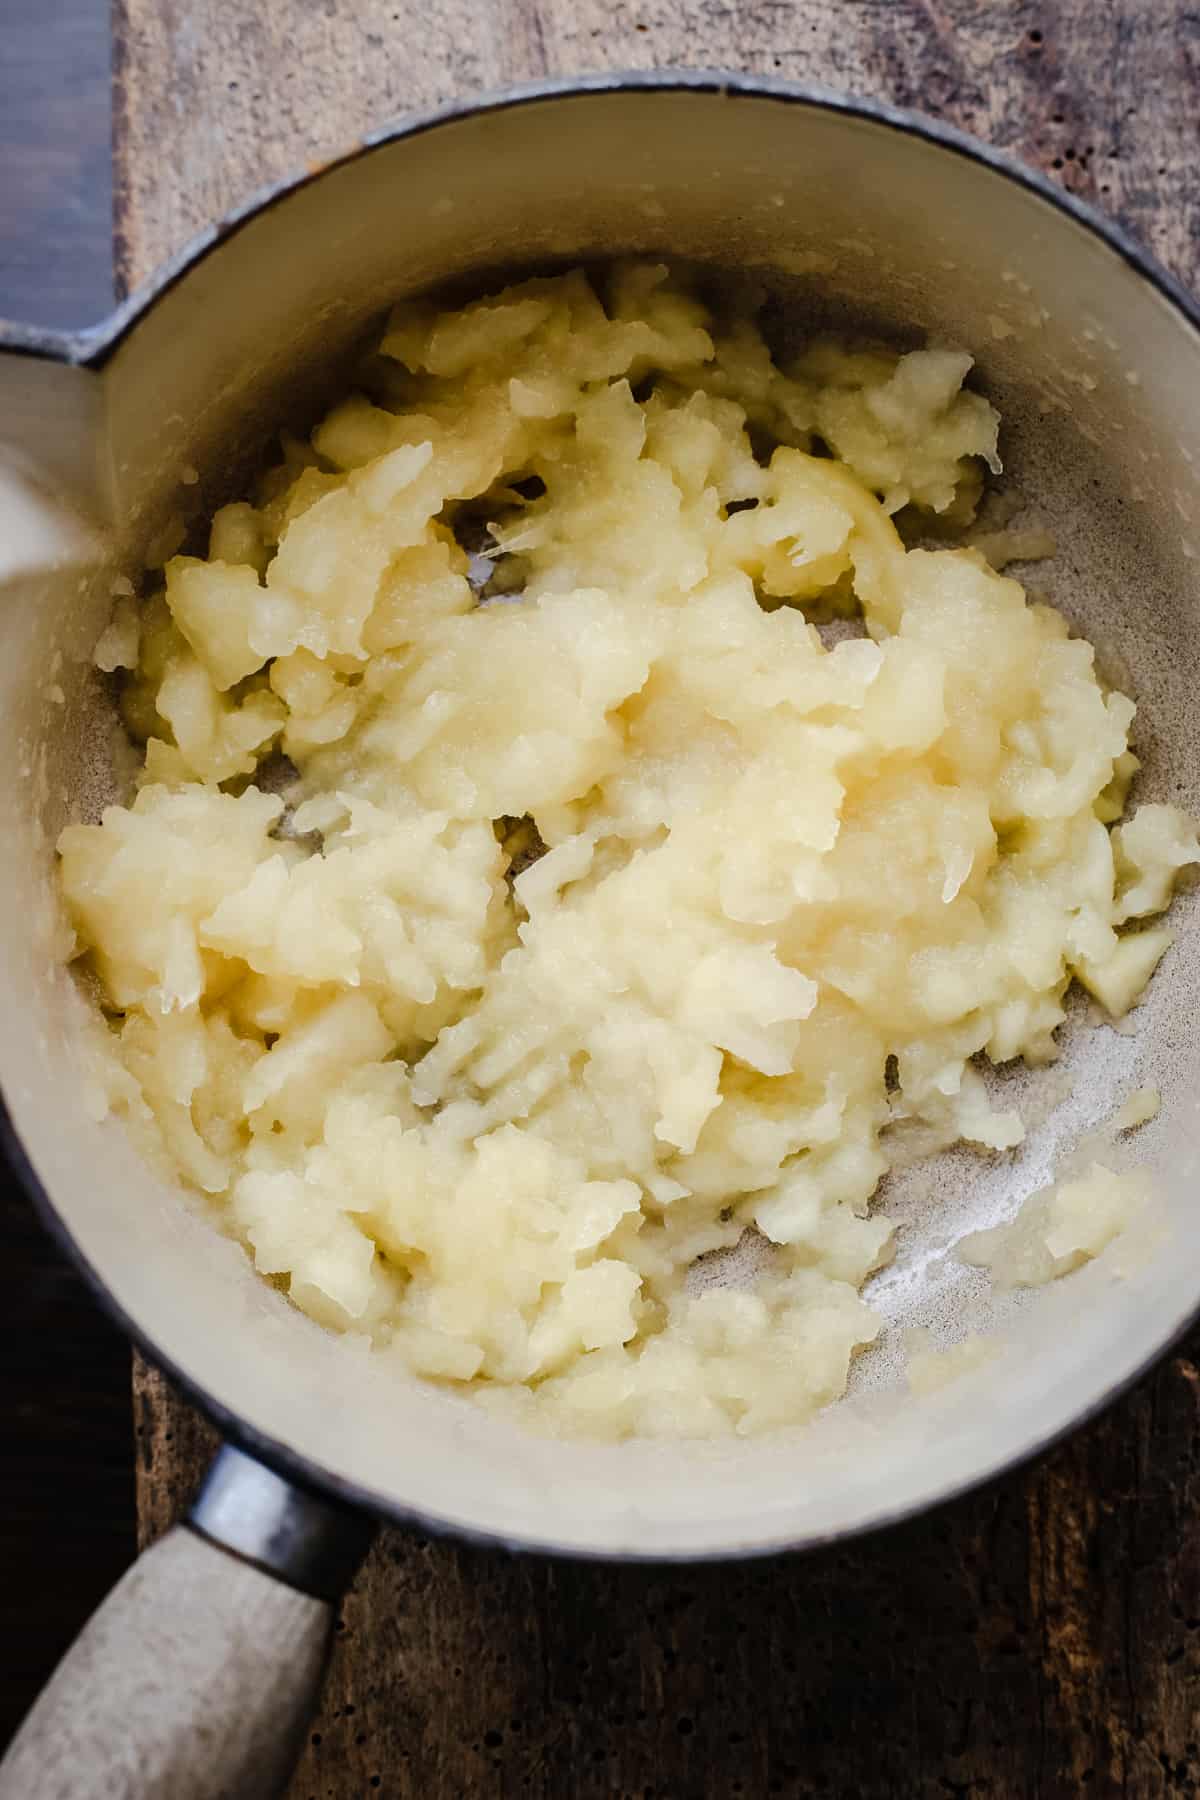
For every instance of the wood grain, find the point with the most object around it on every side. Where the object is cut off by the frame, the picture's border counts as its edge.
(1042, 1638)
(55, 244)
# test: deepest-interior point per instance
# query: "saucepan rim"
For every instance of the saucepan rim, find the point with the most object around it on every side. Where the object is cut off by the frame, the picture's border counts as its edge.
(93, 347)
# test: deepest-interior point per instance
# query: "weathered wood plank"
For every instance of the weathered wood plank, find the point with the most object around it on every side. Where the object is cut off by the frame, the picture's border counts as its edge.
(214, 99)
(1040, 1639)
(55, 253)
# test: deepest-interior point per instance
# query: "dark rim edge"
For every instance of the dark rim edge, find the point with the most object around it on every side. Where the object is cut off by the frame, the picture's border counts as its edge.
(43, 343)
(94, 346)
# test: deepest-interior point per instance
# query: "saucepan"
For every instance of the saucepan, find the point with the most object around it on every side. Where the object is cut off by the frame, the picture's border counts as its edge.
(194, 1678)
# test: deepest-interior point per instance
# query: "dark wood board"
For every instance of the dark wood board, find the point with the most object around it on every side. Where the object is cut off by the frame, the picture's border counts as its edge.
(55, 186)
(1041, 1638)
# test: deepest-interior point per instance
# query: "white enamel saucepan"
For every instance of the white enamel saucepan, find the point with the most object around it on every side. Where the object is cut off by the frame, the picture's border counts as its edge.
(193, 1679)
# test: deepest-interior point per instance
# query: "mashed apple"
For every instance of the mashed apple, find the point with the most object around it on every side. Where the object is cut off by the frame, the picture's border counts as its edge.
(524, 898)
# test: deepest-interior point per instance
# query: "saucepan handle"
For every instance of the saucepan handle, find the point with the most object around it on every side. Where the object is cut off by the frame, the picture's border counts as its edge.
(196, 1678)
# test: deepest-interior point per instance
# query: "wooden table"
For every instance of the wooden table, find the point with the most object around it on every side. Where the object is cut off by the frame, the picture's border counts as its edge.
(1042, 1638)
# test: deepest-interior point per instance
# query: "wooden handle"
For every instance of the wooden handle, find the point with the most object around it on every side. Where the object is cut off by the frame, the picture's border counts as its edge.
(194, 1681)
